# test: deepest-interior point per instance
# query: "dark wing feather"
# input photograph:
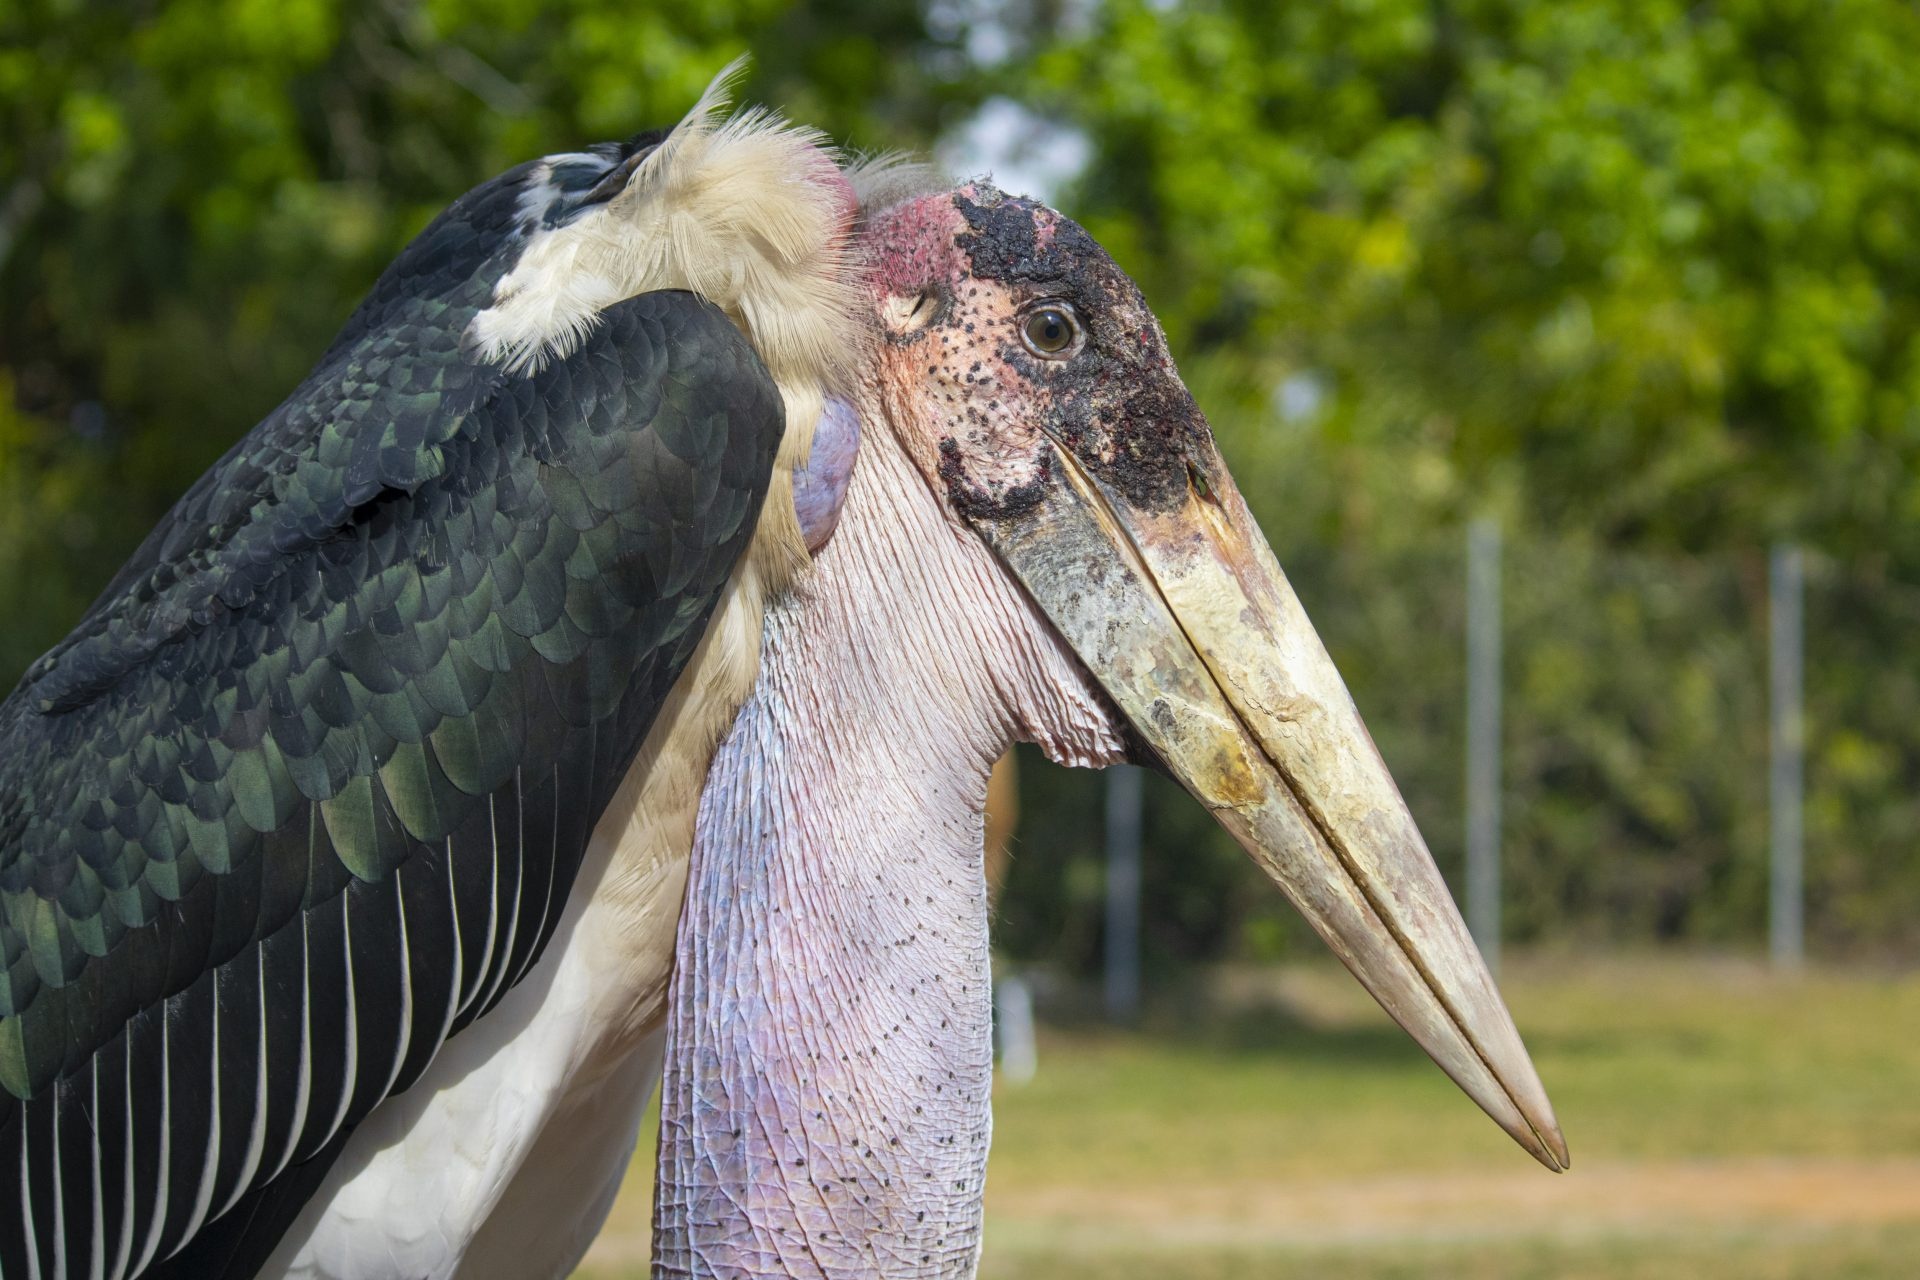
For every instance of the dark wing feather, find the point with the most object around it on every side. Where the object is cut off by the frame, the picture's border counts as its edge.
(307, 791)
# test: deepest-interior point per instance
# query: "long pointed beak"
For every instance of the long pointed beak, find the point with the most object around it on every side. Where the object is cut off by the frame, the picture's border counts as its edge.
(1184, 617)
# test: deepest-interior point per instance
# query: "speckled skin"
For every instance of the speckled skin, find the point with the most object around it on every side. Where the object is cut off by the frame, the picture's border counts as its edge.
(825, 1110)
(1034, 546)
(826, 1105)
(978, 409)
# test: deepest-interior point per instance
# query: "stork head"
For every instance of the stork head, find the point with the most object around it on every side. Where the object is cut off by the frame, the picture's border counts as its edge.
(1039, 541)
(1025, 376)
(1016, 348)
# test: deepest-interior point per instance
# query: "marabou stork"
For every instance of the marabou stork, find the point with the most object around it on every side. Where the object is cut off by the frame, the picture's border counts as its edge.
(1040, 543)
(342, 844)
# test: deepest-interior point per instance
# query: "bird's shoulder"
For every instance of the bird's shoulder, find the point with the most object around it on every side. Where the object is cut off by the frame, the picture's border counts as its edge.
(311, 786)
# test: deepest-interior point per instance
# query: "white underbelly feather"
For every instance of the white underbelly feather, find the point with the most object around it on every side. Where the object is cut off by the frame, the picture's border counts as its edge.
(579, 1039)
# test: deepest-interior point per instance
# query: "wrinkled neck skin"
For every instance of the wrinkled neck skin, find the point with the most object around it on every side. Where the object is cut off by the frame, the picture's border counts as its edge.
(826, 1106)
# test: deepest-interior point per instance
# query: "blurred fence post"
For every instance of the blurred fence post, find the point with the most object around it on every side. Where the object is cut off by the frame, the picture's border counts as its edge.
(1483, 738)
(1123, 893)
(1786, 749)
(1013, 1021)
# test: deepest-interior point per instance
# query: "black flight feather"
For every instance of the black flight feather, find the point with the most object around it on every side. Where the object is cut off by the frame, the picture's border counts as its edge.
(307, 788)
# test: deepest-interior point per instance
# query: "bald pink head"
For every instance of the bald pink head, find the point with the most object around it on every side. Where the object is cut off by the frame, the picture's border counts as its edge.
(1009, 333)
(1039, 542)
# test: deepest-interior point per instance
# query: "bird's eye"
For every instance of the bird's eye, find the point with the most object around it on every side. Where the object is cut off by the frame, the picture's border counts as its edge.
(1051, 332)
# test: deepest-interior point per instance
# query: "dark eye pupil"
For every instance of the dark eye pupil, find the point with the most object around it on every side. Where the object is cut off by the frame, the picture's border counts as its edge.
(1050, 330)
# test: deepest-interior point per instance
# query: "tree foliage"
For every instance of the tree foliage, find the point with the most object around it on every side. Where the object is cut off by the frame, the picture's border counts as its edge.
(1642, 281)
(194, 194)
(1639, 279)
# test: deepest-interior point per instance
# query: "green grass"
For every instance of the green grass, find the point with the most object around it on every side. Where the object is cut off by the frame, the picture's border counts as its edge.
(1644, 1059)
(1723, 1124)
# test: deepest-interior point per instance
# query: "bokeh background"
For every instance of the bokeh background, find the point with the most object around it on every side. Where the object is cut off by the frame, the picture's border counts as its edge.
(1635, 282)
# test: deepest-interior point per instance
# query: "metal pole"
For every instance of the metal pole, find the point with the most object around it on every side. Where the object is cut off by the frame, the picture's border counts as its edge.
(1786, 789)
(1123, 893)
(1483, 738)
(1013, 1019)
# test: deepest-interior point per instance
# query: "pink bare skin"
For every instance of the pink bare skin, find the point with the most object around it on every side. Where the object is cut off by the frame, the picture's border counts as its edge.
(1039, 542)
(833, 985)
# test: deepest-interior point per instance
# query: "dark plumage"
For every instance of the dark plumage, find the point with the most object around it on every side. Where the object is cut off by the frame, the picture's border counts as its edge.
(310, 782)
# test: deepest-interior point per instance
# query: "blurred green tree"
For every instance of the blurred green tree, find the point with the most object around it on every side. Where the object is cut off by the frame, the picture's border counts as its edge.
(194, 194)
(1641, 279)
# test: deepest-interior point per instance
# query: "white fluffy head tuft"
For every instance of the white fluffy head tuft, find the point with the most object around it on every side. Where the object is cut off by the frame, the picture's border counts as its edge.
(749, 211)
